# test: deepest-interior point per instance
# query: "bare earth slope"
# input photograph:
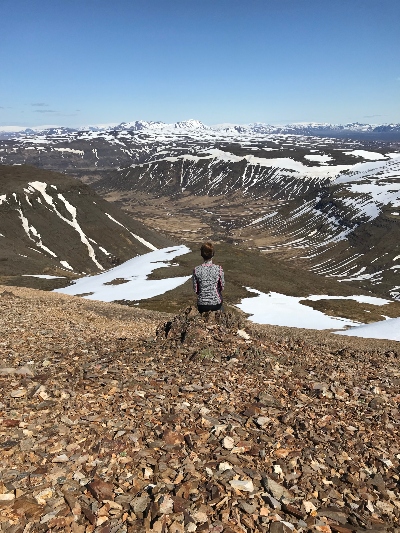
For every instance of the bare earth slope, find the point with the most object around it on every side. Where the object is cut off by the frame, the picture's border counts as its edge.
(106, 426)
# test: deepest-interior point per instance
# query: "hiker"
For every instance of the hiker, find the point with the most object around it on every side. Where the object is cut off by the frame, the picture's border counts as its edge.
(208, 281)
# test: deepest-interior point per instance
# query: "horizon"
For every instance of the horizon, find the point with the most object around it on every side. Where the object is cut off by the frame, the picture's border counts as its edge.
(275, 62)
(18, 129)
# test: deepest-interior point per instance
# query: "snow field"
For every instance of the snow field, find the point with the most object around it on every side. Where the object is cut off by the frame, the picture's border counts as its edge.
(281, 310)
(133, 273)
(386, 329)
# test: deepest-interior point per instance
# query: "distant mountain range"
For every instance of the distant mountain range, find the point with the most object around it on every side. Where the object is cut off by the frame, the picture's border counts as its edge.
(192, 126)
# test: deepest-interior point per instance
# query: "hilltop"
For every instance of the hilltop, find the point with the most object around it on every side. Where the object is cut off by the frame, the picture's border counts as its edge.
(119, 419)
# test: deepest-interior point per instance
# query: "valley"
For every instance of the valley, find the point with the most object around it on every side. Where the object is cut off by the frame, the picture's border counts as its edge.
(298, 212)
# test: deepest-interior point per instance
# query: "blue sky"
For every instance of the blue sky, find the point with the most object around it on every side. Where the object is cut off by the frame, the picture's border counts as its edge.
(80, 62)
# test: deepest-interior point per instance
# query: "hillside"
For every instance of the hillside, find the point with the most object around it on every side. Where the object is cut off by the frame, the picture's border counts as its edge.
(52, 224)
(106, 426)
(340, 221)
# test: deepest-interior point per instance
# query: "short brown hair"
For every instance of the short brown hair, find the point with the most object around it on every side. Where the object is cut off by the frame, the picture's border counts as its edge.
(207, 250)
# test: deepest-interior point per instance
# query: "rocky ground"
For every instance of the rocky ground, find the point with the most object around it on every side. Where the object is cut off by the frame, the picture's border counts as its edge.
(114, 419)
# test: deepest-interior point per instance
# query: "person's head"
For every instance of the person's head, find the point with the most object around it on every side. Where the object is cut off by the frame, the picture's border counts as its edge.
(207, 251)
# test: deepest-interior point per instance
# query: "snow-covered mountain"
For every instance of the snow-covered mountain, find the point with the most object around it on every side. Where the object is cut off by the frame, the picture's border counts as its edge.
(192, 125)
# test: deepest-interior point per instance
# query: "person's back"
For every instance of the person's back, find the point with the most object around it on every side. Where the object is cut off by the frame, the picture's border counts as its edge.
(208, 281)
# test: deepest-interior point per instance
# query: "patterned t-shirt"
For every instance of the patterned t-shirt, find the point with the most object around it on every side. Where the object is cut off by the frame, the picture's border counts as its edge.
(208, 283)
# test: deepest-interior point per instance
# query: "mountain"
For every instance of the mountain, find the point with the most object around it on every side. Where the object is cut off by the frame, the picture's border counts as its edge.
(54, 224)
(191, 125)
(330, 204)
(97, 149)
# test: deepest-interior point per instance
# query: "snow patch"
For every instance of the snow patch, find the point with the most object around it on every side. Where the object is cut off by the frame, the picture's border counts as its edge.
(146, 243)
(386, 329)
(41, 187)
(320, 158)
(372, 156)
(33, 234)
(134, 272)
(42, 276)
(281, 310)
(66, 265)
(71, 150)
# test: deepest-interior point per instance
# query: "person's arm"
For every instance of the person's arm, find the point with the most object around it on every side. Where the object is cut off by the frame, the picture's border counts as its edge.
(221, 279)
(195, 284)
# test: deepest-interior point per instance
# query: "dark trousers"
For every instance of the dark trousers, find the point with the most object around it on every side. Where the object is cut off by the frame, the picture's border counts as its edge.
(205, 308)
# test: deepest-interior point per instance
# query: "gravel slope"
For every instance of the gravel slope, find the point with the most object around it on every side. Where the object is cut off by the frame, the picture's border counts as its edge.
(114, 419)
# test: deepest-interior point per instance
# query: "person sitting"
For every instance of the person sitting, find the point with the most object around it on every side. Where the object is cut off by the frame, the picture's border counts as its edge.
(208, 281)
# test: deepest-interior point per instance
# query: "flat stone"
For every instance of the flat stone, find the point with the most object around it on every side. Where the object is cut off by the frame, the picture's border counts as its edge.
(267, 399)
(167, 505)
(28, 507)
(60, 459)
(278, 527)
(334, 515)
(139, 504)
(228, 443)
(18, 393)
(243, 485)
(277, 490)
(7, 497)
(247, 507)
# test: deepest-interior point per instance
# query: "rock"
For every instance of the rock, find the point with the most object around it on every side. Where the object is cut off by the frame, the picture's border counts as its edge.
(101, 490)
(25, 371)
(241, 333)
(222, 467)
(243, 485)
(101, 520)
(8, 497)
(376, 402)
(7, 371)
(333, 514)
(91, 517)
(199, 517)
(28, 507)
(279, 527)
(247, 507)
(60, 459)
(140, 433)
(273, 502)
(263, 421)
(167, 505)
(180, 504)
(18, 393)
(140, 504)
(44, 495)
(172, 437)
(267, 399)
(277, 490)
(228, 443)
(10, 423)
(385, 507)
